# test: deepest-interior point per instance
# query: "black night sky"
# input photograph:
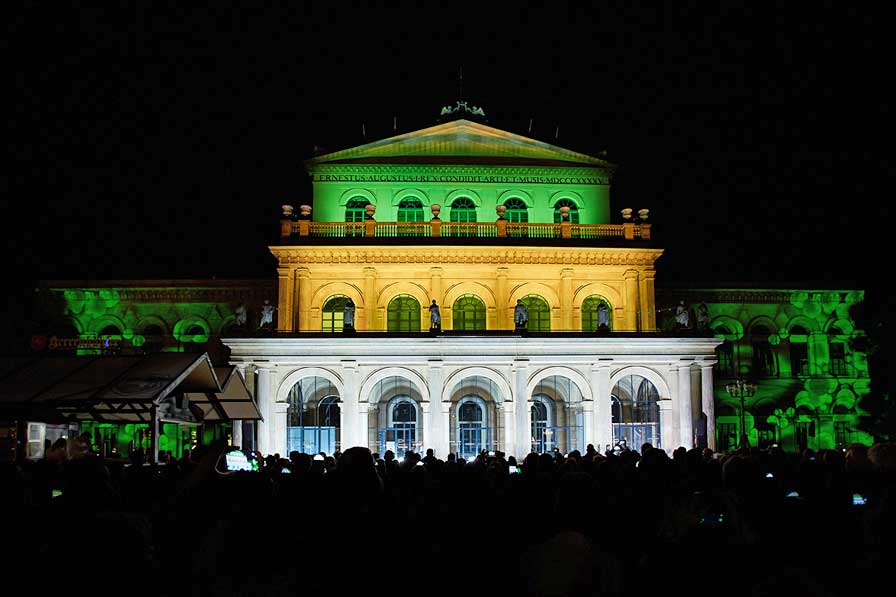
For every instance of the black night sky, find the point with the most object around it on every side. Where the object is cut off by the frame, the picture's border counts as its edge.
(159, 139)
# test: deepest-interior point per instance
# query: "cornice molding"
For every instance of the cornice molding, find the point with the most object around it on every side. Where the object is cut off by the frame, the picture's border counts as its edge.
(465, 255)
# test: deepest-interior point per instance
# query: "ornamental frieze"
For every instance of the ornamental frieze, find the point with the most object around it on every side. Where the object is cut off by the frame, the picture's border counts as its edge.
(453, 174)
(643, 257)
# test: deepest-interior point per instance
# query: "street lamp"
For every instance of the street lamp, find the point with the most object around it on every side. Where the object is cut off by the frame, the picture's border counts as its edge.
(741, 389)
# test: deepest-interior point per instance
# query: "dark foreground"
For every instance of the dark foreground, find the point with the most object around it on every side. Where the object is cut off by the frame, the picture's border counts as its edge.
(766, 524)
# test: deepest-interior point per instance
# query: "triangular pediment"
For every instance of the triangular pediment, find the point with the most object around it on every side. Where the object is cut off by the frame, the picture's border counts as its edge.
(460, 141)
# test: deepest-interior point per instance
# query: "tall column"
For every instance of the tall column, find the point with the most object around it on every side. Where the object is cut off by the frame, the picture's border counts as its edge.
(369, 299)
(304, 324)
(364, 426)
(631, 300)
(238, 424)
(588, 423)
(685, 409)
(501, 298)
(668, 426)
(264, 400)
(349, 425)
(708, 404)
(437, 436)
(236, 436)
(507, 445)
(603, 414)
(427, 408)
(285, 291)
(278, 439)
(648, 301)
(522, 440)
(566, 299)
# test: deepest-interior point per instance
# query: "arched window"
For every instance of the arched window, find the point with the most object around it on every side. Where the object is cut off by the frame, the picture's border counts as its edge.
(328, 412)
(463, 210)
(590, 315)
(153, 338)
(763, 357)
(542, 412)
(403, 314)
(468, 313)
(635, 412)
(313, 417)
(194, 338)
(517, 211)
(110, 331)
(539, 313)
(725, 352)
(403, 413)
(410, 210)
(799, 351)
(573, 211)
(836, 352)
(471, 422)
(354, 209)
(333, 313)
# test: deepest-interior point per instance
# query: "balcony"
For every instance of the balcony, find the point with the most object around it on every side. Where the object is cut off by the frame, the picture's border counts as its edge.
(306, 231)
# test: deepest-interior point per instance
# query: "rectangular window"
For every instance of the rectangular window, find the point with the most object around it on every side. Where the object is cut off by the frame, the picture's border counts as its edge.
(838, 358)
(799, 358)
(841, 434)
(763, 359)
(727, 440)
(726, 360)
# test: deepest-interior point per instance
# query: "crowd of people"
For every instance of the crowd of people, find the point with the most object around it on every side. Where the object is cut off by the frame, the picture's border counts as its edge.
(637, 522)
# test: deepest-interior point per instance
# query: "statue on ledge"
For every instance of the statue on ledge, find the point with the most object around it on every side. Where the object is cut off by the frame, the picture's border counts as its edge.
(702, 317)
(520, 315)
(348, 319)
(267, 314)
(435, 317)
(240, 313)
(682, 318)
(603, 317)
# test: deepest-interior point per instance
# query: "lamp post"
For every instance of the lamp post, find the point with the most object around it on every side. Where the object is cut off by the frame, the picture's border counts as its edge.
(741, 389)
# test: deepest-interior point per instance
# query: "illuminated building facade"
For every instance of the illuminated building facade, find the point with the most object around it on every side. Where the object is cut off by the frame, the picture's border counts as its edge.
(477, 220)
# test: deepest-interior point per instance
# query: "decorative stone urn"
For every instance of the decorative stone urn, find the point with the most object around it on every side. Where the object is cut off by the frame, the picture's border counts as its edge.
(564, 213)
(436, 209)
(627, 214)
(643, 213)
(305, 210)
(287, 210)
(370, 209)
(501, 210)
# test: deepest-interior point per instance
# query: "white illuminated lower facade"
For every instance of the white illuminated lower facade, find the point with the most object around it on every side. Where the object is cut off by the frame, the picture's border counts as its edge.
(464, 394)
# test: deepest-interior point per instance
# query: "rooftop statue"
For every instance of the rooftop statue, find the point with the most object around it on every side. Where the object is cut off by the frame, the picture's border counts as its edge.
(520, 314)
(435, 317)
(348, 320)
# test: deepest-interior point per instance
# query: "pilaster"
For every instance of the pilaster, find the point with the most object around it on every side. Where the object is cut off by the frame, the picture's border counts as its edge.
(304, 276)
(521, 404)
(264, 400)
(685, 410)
(285, 292)
(708, 404)
(369, 299)
(630, 278)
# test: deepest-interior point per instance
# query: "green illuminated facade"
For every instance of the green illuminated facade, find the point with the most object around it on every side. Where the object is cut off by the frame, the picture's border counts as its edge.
(797, 347)
(540, 217)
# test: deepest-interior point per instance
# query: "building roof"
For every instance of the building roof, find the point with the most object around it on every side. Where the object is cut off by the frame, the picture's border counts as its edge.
(460, 142)
(122, 388)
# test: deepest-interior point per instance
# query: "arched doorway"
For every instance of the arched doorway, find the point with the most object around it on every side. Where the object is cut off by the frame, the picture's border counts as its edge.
(313, 417)
(636, 414)
(557, 421)
(473, 416)
(398, 416)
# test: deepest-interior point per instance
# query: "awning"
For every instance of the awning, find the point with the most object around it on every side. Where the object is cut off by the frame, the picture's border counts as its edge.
(123, 389)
